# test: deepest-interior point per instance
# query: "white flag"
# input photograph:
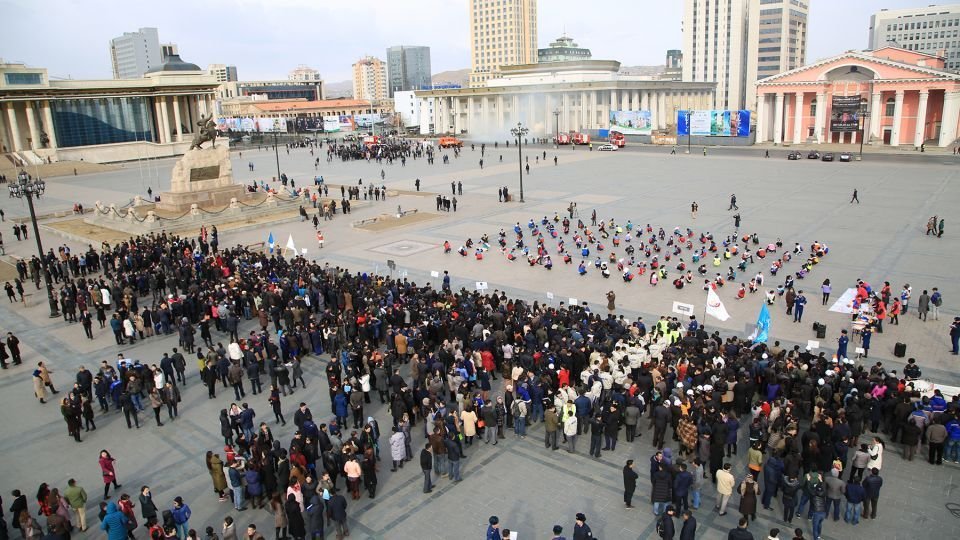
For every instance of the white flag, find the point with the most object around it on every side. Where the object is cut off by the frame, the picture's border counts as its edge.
(290, 244)
(715, 306)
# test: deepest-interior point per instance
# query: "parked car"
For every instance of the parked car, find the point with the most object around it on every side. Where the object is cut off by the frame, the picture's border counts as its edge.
(827, 157)
(608, 148)
(793, 155)
(813, 155)
(845, 156)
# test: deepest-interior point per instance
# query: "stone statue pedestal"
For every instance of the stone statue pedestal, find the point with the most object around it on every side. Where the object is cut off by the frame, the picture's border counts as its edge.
(203, 177)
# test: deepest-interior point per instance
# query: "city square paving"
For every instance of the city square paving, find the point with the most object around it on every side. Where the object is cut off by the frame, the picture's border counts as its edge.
(528, 487)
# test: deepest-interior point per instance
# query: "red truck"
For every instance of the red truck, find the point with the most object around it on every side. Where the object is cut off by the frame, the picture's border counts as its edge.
(617, 139)
(562, 138)
(581, 138)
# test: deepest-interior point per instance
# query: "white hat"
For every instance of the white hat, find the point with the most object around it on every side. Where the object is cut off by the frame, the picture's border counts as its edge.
(689, 392)
(708, 388)
(679, 385)
(764, 356)
(808, 347)
(820, 381)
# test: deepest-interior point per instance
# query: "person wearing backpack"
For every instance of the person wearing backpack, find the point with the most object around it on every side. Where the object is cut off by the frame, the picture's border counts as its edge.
(665, 526)
(936, 300)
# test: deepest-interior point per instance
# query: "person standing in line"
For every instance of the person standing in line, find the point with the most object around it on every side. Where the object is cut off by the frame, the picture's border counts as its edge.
(955, 336)
(581, 531)
(148, 509)
(740, 532)
(665, 526)
(426, 466)
(76, 497)
(871, 488)
(725, 483)
(108, 472)
(629, 483)
(181, 516)
(854, 198)
(337, 506)
(689, 529)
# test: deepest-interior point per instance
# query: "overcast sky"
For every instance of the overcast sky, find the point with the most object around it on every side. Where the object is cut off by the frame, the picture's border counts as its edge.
(267, 38)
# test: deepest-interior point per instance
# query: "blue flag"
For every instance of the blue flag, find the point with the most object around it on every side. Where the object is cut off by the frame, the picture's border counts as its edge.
(762, 331)
(270, 241)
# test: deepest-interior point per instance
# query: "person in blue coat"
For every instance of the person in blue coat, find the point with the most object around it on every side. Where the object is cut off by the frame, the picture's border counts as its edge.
(772, 473)
(341, 408)
(114, 523)
(842, 345)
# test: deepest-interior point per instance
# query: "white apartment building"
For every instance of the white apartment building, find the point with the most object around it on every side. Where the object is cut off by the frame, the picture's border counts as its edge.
(303, 73)
(715, 48)
(223, 72)
(932, 30)
(502, 33)
(135, 53)
(738, 42)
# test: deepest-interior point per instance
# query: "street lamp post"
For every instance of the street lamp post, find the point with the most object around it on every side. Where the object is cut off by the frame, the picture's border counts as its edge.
(864, 114)
(276, 152)
(689, 129)
(556, 118)
(519, 132)
(26, 187)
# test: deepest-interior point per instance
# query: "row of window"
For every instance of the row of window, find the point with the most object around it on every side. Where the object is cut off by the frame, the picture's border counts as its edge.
(926, 35)
(922, 25)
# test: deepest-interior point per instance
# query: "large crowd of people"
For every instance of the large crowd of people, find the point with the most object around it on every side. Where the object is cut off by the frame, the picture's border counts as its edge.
(815, 424)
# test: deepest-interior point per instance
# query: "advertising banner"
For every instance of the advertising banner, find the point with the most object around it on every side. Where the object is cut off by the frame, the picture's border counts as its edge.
(713, 123)
(366, 120)
(331, 124)
(346, 122)
(311, 123)
(845, 113)
(246, 124)
(631, 122)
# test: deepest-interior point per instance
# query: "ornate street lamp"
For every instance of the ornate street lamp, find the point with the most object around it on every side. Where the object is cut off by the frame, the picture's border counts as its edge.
(27, 187)
(520, 132)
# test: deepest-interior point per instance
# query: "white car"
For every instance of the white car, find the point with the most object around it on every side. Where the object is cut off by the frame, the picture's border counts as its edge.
(845, 156)
(607, 148)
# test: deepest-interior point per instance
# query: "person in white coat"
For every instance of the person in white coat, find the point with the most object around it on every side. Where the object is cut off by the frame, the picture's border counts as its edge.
(397, 449)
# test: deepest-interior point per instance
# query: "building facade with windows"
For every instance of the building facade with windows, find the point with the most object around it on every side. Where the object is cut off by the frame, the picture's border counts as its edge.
(715, 48)
(134, 53)
(279, 89)
(369, 79)
(109, 120)
(932, 30)
(559, 96)
(223, 72)
(303, 73)
(502, 33)
(909, 97)
(408, 68)
(776, 40)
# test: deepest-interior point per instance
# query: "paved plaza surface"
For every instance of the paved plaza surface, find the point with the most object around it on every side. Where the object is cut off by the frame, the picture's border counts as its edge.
(528, 487)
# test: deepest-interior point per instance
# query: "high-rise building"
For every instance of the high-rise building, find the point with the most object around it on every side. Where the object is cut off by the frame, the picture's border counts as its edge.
(167, 50)
(369, 78)
(563, 49)
(303, 73)
(777, 41)
(737, 42)
(223, 72)
(715, 47)
(408, 68)
(134, 53)
(931, 30)
(502, 33)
